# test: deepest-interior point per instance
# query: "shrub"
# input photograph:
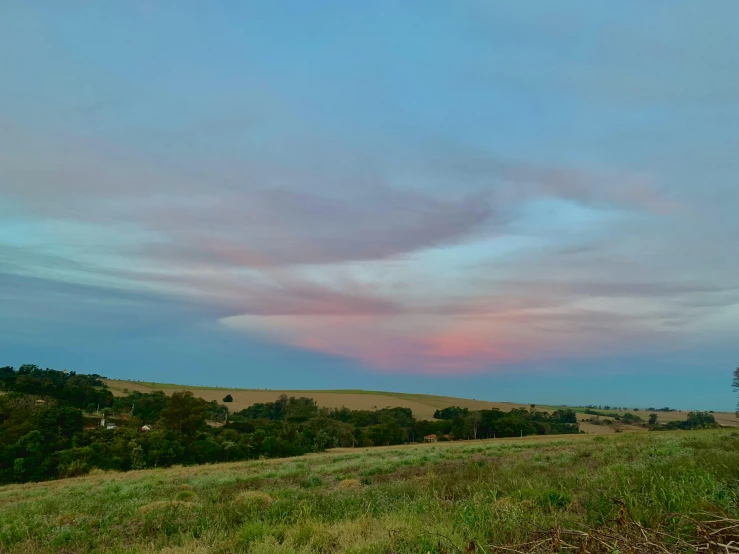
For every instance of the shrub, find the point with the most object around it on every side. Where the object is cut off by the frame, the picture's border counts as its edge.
(185, 496)
(75, 468)
(311, 482)
(253, 531)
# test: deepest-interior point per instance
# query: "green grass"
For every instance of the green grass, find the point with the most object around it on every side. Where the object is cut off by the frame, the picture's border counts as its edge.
(401, 499)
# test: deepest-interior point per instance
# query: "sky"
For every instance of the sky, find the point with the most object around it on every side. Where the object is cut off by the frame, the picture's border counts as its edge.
(513, 201)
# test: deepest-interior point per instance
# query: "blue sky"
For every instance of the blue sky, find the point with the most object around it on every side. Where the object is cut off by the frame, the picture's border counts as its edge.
(510, 201)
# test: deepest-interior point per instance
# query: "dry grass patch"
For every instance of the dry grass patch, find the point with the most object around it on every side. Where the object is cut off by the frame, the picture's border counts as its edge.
(257, 499)
(350, 484)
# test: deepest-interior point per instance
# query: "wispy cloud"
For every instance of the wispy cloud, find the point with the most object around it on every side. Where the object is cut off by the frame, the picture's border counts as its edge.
(580, 203)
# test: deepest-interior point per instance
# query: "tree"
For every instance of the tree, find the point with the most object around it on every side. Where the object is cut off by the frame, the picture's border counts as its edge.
(652, 419)
(565, 416)
(735, 385)
(699, 420)
(185, 413)
(228, 398)
(451, 412)
(63, 420)
(475, 421)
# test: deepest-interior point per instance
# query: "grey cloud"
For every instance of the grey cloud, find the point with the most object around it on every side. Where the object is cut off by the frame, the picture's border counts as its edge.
(41, 306)
(617, 289)
(230, 216)
(282, 227)
(517, 181)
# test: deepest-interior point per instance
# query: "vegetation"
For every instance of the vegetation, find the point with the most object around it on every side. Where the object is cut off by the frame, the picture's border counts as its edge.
(440, 498)
(82, 391)
(695, 420)
(451, 412)
(50, 426)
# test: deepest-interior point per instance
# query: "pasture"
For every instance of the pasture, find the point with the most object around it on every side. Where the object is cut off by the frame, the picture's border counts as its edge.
(481, 496)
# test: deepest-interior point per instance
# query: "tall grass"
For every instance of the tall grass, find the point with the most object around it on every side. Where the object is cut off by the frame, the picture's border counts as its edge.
(435, 498)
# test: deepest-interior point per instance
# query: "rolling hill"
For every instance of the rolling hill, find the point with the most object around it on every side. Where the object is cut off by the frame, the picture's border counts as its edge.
(422, 405)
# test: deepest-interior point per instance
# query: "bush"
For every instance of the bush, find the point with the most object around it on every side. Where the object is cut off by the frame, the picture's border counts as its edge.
(311, 482)
(185, 496)
(73, 469)
(228, 398)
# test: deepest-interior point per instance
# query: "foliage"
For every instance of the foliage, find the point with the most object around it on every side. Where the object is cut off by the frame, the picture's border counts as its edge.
(69, 388)
(228, 398)
(145, 406)
(695, 420)
(185, 413)
(451, 412)
(40, 441)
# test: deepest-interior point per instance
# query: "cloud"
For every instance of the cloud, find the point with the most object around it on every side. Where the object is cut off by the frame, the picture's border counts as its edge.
(296, 256)
(516, 181)
(273, 227)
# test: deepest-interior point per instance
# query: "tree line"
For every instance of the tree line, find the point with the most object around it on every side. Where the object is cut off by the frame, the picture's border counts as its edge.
(50, 427)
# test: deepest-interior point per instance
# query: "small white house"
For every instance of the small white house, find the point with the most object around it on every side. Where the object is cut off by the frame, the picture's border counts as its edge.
(145, 428)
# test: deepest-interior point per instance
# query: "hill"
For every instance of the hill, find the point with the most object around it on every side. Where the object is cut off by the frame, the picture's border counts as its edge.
(625, 493)
(422, 405)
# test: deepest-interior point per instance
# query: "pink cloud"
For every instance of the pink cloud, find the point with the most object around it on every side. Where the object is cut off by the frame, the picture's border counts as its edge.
(410, 342)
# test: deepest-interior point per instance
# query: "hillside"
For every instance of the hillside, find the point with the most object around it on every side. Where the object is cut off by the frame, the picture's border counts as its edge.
(486, 496)
(422, 405)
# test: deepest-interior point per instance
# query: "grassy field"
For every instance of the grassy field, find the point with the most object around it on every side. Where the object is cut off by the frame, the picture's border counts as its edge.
(447, 497)
(423, 405)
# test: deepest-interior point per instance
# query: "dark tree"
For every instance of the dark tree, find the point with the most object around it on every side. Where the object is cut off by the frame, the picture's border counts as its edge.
(735, 385)
(228, 398)
(652, 419)
(451, 412)
(565, 416)
(185, 413)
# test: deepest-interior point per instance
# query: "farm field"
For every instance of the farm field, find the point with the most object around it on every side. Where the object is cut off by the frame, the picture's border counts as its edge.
(423, 405)
(481, 496)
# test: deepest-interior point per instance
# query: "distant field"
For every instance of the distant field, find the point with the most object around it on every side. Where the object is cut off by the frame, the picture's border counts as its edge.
(423, 405)
(468, 496)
